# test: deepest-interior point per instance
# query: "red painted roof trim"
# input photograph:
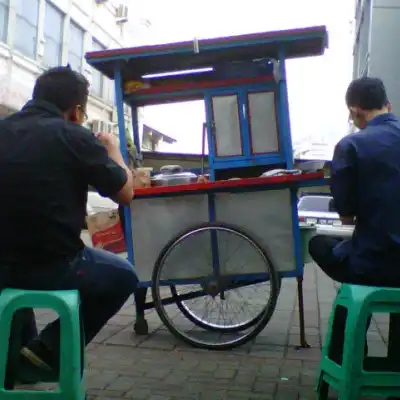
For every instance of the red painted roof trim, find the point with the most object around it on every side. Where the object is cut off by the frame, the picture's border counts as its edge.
(189, 44)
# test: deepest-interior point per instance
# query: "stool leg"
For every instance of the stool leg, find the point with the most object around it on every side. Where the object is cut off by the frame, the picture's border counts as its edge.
(335, 349)
(353, 354)
(71, 350)
(322, 389)
(19, 319)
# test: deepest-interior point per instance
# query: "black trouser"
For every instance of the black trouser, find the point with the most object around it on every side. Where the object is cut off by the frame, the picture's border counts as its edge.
(321, 250)
(104, 280)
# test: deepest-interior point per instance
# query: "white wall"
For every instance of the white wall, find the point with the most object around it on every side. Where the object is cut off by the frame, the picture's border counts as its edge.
(384, 49)
(18, 71)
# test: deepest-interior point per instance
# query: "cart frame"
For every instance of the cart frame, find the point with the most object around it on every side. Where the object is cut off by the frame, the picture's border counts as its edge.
(272, 49)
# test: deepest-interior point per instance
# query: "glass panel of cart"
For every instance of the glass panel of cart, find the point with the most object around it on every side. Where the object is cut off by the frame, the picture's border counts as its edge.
(225, 114)
(263, 122)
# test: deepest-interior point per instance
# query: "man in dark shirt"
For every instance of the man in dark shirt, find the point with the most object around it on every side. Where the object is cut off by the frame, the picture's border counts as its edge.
(47, 161)
(365, 184)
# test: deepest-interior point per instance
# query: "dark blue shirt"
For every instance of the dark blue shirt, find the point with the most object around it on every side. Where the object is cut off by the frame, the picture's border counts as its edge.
(365, 184)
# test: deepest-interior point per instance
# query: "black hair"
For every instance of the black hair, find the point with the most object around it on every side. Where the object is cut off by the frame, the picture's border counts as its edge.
(367, 93)
(62, 87)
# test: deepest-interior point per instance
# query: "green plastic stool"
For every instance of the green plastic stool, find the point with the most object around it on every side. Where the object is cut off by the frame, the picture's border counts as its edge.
(67, 305)
(376, 376)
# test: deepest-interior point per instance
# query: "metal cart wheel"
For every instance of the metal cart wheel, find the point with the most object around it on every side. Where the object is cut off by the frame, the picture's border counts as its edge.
(193, 317)
(188, 260)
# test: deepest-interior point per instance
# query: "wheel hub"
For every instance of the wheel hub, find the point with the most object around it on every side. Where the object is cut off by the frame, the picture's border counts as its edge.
(214, 286)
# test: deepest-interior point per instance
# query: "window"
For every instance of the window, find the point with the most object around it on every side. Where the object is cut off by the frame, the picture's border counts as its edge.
(4, 9)
(53, 35)
(97, 86)
(227, 136)
(25, 39)
(262, 121)
(315, 203)
(75, 46)
(110, 92)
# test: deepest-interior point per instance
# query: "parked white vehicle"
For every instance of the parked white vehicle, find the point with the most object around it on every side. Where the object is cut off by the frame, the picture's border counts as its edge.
(316, 209)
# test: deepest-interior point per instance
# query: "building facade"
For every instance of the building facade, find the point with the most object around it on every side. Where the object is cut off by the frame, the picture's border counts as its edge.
(376, 51)
(38, 34)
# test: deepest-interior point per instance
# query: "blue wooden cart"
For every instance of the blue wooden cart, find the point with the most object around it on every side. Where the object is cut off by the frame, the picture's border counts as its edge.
(178, 236)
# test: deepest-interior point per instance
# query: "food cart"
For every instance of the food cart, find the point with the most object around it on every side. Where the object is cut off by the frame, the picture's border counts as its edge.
(178, 236)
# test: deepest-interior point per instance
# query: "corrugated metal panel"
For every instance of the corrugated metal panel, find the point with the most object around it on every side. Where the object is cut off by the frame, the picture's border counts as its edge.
(385, 49)
(362, 40)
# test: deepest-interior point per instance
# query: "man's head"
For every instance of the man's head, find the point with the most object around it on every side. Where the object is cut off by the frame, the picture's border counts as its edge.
(366, 98)
(68, 90)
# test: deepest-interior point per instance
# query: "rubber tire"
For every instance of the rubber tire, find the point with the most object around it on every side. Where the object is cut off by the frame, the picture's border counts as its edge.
(211, 328)
(264, 319)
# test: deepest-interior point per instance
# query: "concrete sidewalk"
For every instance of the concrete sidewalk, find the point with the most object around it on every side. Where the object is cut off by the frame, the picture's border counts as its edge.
(159, 366)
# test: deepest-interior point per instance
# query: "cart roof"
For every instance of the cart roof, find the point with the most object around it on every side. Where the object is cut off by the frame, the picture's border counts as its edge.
(136, 62)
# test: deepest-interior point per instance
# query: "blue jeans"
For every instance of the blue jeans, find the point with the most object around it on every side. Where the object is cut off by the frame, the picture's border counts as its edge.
(104, 280)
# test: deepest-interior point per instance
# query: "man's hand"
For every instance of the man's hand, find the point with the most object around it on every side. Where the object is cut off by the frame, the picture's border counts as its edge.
(109, 141)
(141, 180)
(111, 144)
(202, 179)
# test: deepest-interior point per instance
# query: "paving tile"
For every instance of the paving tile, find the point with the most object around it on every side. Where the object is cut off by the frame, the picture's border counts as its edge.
(123, 365)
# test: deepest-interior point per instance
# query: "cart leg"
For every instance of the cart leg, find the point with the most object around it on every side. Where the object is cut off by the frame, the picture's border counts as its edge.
(303, 342)
(140, 327)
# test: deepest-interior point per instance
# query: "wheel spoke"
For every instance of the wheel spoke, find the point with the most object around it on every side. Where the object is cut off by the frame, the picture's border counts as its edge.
(221, 311)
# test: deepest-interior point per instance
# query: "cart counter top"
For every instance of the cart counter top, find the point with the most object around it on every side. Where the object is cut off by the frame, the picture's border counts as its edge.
(232, 185)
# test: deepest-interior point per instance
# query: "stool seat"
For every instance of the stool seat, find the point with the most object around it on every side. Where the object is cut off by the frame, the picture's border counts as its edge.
(359, 375)
(67, 305)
